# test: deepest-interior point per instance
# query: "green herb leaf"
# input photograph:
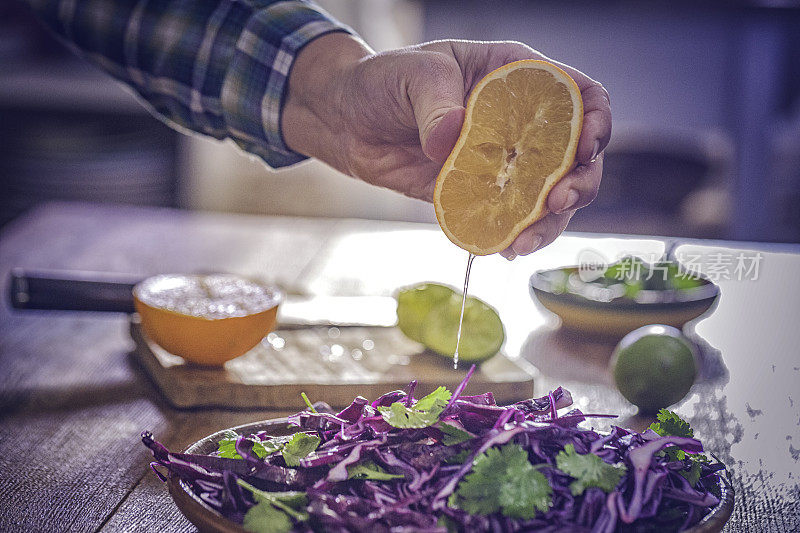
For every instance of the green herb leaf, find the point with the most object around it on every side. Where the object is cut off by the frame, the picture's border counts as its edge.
(424, 413)
(227, 446)
(273, 509)
(588, 470)
(299, 447)
(627, 269)
(453, 435)
(692, 474)
(266, 518)
(632, 288)
(459, 458)
(291, 502)
(367, 469)
(503, 479)
(670, 424)
(400, 416)
(439, 397)
(447, 523)
(682, 279)
(673, 453)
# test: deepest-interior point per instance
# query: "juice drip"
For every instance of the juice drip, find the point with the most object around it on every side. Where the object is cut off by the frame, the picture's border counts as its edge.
(463, 304)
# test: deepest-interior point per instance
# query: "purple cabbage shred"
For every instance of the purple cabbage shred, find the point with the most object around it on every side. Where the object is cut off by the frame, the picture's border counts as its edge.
(651, 495)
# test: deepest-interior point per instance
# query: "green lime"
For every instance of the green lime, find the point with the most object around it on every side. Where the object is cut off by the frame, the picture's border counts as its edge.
(482, 333)
(414, 304)
(654, 367)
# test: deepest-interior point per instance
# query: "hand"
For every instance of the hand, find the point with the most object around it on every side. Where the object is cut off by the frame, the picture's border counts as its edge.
(391, 119)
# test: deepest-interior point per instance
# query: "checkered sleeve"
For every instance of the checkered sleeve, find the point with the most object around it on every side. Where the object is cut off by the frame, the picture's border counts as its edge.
(218, 67)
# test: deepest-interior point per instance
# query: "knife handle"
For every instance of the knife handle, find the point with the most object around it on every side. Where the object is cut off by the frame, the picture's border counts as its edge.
(71, 291)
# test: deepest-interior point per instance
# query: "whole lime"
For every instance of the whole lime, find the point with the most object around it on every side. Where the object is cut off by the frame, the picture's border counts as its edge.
(654, 367)
(414, 303)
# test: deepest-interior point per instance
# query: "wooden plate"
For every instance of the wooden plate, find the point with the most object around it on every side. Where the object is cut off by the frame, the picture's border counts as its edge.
(620, 316)
(207, 519)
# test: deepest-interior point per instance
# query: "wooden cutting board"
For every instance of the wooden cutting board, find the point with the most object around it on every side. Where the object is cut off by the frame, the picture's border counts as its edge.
(328, 364)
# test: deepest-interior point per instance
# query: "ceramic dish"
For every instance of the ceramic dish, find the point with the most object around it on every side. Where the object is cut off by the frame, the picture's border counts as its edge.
(208, 520)
(600, 315)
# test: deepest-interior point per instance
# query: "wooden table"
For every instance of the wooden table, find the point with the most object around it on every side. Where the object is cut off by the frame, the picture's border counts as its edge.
(72, 405)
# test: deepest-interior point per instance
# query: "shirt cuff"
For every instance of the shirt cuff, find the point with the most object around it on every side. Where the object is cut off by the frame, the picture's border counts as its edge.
(256, 81)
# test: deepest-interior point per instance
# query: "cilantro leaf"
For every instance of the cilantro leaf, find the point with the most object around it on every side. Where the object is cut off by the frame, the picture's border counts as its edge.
(439, 397)
(692, 474)
(503, 479)
(424, 413)
(447, 523)
(453, 435)
(670, 424)
(273, 509)
(588, 470)
(695, 468)
(673, 453)
(459, 458)
(298, 447)
(266, 518)
(227, 446)
(369, 470)
(400, 416)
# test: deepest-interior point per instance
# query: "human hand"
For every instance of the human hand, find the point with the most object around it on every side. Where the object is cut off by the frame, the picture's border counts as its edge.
(391, 119)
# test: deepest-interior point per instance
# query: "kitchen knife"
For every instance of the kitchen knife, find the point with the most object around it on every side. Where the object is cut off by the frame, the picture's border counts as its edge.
(99, 291)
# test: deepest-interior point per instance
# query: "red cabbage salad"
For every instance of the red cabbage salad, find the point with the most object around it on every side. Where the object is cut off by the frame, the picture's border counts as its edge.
(449, 462)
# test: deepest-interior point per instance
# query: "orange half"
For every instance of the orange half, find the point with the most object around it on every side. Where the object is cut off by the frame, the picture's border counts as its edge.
(519, 137)
(206, 319)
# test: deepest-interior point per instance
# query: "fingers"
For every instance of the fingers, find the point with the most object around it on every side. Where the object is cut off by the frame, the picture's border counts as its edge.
(442, 138)
(538, 235)
(596, 124)
(472, 61)
(577, 189)
(596, 114)
(439, 126)
(435, 88)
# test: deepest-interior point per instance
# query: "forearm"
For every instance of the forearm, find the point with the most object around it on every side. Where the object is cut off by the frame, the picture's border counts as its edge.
(217, 67)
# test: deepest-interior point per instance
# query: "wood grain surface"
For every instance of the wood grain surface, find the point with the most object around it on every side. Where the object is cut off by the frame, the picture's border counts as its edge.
(73, 402)
(325, 363)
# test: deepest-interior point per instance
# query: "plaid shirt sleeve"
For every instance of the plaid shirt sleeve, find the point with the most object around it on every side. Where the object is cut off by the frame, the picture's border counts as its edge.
(218, 67)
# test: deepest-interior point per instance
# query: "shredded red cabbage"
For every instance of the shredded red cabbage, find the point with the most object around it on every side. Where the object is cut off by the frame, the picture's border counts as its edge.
(653, 492)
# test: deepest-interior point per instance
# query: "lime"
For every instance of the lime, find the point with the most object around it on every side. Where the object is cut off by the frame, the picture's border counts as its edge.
(482, 333)
(414, 304)
(654, 367)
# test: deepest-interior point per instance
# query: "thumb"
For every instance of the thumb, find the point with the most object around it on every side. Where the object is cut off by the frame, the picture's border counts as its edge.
(436, 93)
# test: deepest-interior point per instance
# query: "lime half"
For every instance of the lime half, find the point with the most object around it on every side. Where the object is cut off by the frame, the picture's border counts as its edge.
(414, 304)
(482, 333)
(654, 367)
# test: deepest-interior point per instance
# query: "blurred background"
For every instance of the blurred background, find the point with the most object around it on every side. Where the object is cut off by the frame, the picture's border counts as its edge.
(705, 97)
